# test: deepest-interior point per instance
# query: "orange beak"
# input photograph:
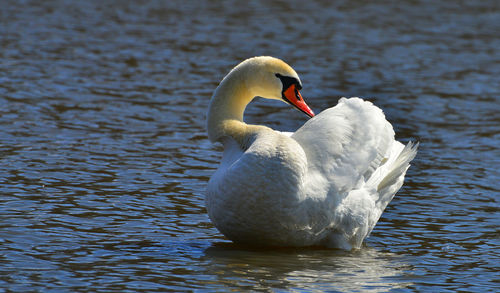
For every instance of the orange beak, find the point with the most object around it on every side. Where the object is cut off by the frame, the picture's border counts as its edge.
(293, 96)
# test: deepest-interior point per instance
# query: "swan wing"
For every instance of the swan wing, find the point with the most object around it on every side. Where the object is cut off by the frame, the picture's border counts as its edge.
(346, 143)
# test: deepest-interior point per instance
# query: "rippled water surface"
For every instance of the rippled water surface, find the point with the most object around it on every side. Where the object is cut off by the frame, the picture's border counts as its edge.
(105, 160)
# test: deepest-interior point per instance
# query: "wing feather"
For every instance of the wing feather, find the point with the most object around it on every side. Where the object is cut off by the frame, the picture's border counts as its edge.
(346, 143)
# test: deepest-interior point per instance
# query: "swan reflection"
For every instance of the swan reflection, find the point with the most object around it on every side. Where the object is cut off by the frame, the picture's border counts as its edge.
(367, 269)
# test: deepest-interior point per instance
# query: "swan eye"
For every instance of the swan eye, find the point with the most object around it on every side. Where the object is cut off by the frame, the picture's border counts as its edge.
(288, 81)
(297, 94)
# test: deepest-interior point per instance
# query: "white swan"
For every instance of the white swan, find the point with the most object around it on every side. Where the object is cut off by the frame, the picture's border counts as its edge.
(326, 184)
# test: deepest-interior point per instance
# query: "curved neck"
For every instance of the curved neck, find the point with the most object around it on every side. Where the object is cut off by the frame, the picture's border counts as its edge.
(225, 114)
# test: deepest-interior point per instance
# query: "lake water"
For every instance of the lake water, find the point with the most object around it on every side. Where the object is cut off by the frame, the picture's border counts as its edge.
(105, 159)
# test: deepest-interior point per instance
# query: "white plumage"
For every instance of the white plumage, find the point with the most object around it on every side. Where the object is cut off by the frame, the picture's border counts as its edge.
(326, 184)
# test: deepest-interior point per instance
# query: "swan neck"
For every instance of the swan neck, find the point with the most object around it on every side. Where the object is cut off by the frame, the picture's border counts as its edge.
(227, 107)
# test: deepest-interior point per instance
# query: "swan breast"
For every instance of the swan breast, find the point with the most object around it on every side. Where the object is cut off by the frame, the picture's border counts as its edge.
(256, 192)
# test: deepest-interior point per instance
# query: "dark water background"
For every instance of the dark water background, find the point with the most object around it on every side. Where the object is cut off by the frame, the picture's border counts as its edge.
(104, 157)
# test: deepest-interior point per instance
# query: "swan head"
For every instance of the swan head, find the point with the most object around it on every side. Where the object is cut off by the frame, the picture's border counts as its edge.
(272, 78)
(265, 77)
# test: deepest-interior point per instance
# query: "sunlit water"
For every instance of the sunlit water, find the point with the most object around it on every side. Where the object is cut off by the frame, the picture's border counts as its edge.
(105, 160)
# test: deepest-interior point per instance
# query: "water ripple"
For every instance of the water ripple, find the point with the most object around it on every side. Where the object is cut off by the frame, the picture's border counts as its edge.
(105, 159)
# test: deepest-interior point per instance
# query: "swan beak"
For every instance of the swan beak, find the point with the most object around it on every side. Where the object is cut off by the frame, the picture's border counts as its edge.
(293, 96)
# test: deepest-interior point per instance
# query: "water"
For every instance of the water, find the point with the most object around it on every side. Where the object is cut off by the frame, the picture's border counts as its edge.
(105, 160)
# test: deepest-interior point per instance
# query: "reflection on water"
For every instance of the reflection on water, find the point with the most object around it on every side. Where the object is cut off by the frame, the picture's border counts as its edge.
(366, 270)
(105, 159)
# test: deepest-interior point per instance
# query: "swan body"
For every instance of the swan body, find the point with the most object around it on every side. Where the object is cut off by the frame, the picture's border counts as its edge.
(325, 184)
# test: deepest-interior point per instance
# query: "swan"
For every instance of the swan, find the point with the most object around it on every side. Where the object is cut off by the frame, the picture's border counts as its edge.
(326, 184)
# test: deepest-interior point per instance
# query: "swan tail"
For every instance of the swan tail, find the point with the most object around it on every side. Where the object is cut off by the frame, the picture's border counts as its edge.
(399, 166)
(394, 175)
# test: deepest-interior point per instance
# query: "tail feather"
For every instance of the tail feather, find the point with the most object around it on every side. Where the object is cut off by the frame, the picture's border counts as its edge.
(399, 166)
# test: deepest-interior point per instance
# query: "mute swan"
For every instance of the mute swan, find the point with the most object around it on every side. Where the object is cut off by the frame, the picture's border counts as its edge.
(326, 184)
